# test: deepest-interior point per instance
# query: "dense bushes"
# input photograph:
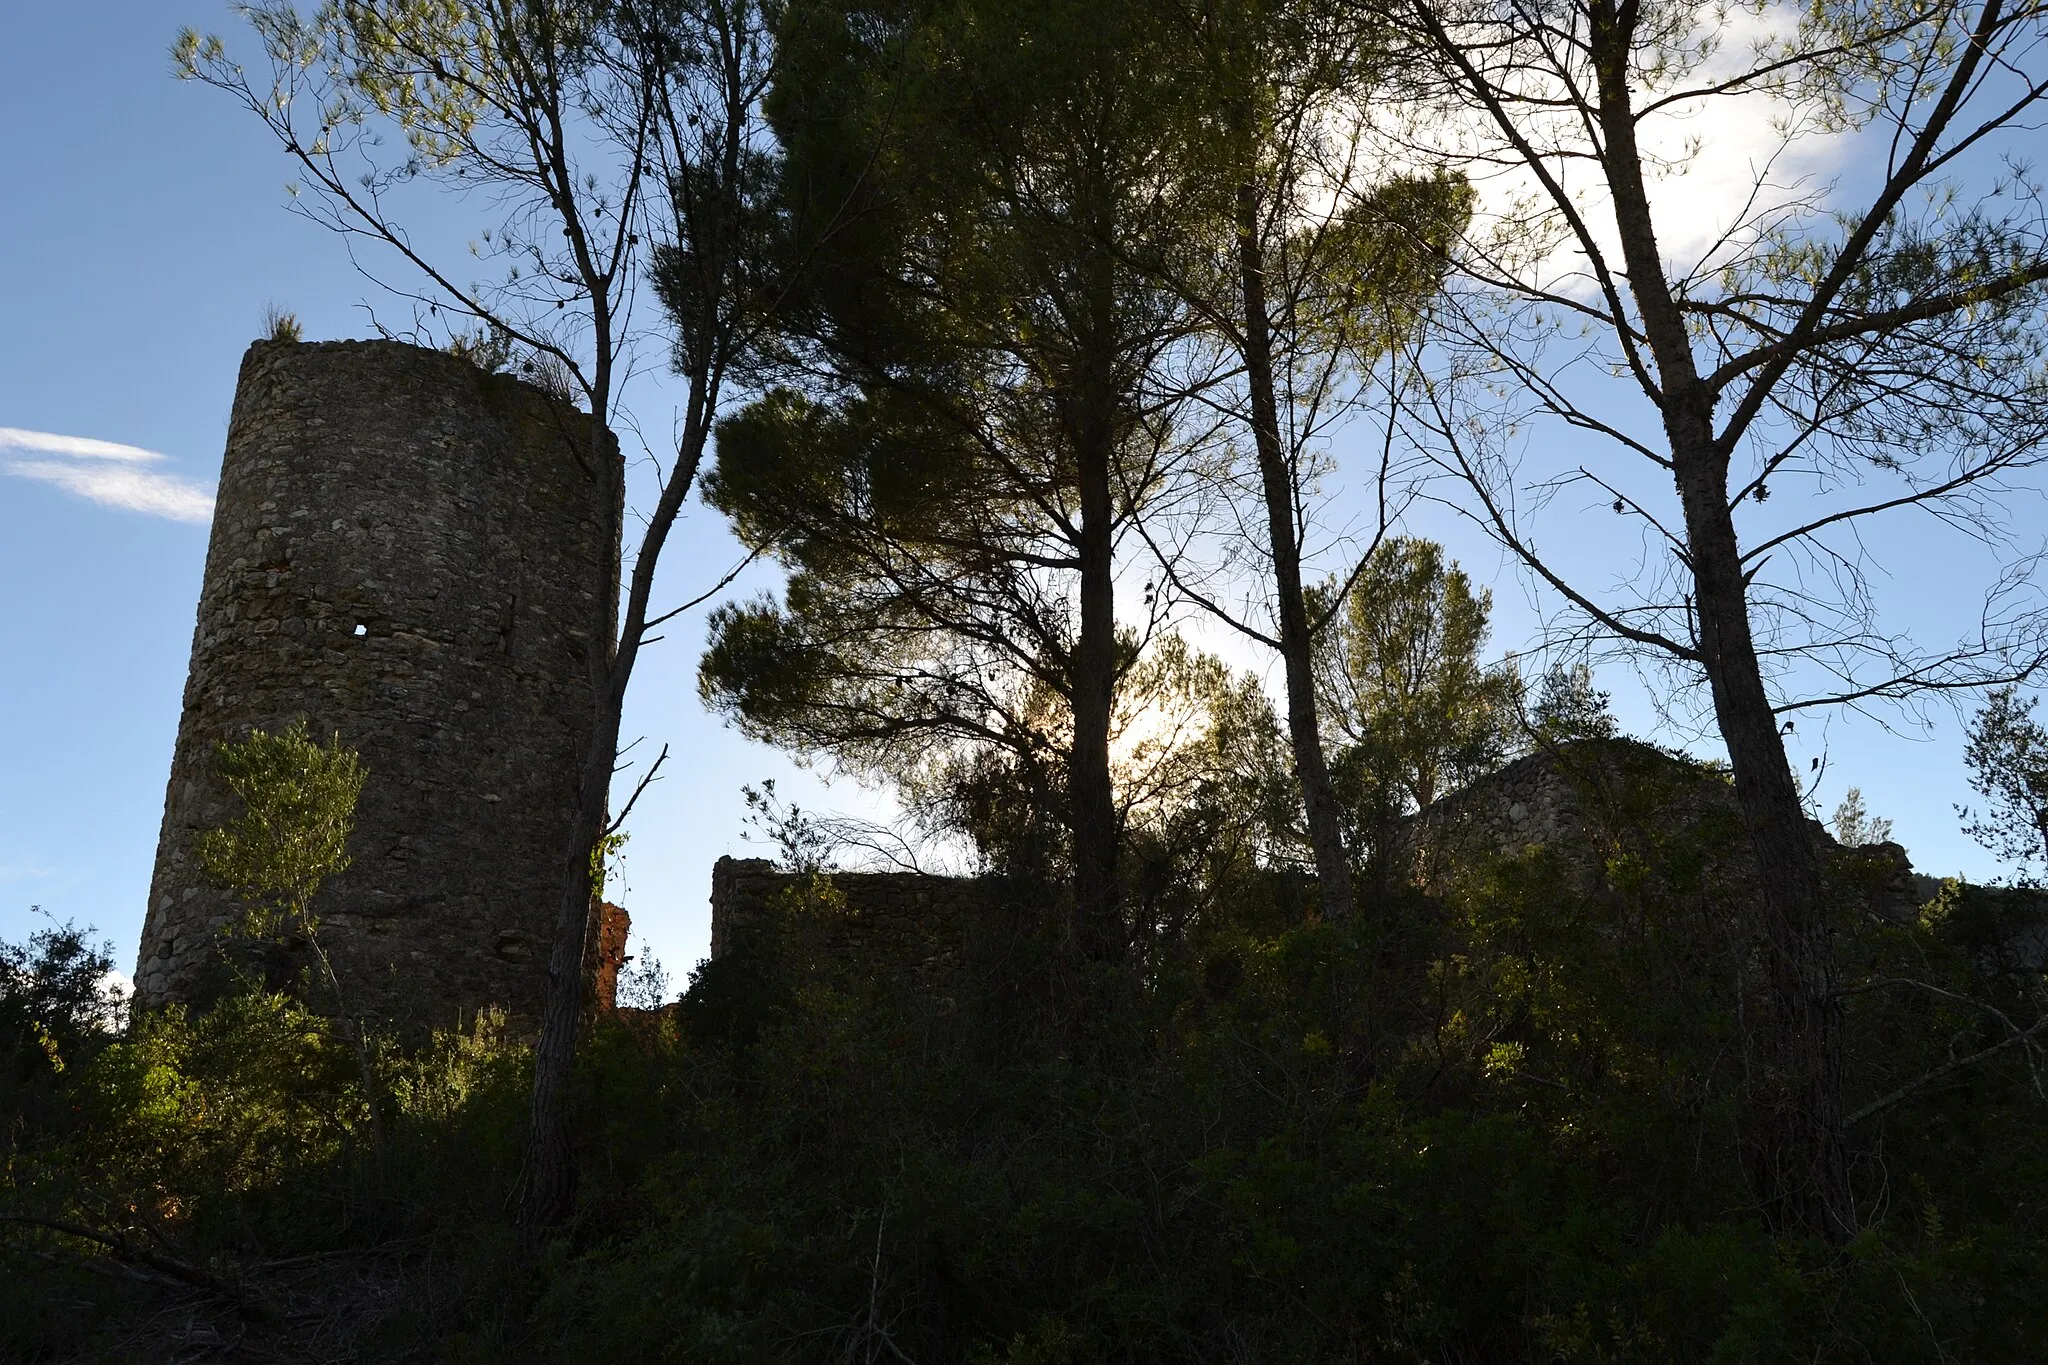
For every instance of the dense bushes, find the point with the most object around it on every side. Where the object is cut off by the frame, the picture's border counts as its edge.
(1492, 1125)
(1542, 1167)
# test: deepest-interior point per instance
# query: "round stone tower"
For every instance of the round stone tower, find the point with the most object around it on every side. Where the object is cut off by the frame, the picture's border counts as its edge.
(412, 554)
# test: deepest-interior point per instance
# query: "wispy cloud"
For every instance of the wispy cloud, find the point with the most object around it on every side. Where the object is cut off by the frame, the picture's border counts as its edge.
(105, 472)
(1725, 168)
(73, 447)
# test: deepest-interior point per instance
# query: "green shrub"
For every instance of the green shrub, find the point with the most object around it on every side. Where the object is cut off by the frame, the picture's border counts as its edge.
(1496, 1125)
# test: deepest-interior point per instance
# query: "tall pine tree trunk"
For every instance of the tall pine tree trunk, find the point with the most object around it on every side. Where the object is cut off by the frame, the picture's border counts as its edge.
(547, 1186)
(1091, 793)
(1793, 1136)
(1793, 1139)
(1304, 731)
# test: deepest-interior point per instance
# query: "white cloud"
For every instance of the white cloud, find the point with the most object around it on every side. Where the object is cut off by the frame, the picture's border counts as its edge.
(1723, 166)
(105, 472)
(73, 447)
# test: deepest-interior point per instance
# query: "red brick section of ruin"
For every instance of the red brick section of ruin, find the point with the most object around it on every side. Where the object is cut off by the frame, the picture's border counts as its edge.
(607, 956)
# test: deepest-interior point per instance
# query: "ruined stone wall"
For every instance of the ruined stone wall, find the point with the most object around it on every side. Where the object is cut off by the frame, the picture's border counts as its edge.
(1585, 804)
(410, 553)
(1576, 799)
(937, 932)
(1589, 800)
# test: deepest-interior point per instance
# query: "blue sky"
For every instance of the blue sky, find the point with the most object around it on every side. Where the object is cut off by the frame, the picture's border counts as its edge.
(144, 232)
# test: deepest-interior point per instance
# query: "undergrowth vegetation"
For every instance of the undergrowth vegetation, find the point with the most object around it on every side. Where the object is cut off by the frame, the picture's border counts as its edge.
(1496, 1123)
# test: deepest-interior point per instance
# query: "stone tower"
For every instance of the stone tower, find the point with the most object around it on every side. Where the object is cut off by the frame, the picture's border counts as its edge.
(411, 553)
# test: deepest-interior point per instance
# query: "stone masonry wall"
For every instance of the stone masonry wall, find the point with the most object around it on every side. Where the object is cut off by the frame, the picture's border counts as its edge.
(936, 931)
(1588, 799)
(410, 553)
(1584, 803)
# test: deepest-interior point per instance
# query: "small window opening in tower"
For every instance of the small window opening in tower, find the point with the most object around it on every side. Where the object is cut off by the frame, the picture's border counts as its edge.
(362, 629)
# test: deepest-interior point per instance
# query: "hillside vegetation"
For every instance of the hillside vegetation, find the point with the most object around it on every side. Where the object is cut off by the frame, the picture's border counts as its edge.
(1498, 1123)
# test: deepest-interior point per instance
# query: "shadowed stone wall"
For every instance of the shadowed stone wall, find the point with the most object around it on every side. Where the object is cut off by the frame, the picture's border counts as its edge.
(942, 933)
(1590, 800)
(1598, 807)
(411, 553)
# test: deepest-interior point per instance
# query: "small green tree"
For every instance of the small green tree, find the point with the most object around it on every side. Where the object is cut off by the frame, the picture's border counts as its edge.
(58, 1005)
(300, 805)
(1855, 825)
(2007, 755)
(299, 800)
(1568, 707)
(1415, 714)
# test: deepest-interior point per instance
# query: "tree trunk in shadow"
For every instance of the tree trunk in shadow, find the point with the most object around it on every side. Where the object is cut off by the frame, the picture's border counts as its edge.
(1304, 731)
(547, 1185)
(1793, 1140)
(1792, 1137)
(546, 1192)
(1091, 794)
